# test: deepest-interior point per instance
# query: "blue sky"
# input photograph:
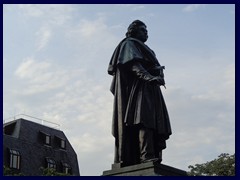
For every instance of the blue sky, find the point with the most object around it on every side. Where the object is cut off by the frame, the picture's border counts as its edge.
(55, 60)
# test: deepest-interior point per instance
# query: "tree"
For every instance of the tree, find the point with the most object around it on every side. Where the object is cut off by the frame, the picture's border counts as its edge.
(11, 172)
(224, 165)
(45, 172)
(52, 172)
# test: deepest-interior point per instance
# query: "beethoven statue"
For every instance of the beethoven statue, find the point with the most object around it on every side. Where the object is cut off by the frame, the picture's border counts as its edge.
(140, 123)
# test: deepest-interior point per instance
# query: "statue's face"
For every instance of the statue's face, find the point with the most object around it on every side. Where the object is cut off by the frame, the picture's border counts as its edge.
(142, 33)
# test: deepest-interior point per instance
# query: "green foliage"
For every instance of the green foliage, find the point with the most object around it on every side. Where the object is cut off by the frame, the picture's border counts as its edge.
(224, 165)
(11, 172)
(52, 172)
(45, 172)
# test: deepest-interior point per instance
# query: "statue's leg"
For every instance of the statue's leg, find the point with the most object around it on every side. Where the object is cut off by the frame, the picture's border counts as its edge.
(146, 144)
(160, 144)
(130, 153)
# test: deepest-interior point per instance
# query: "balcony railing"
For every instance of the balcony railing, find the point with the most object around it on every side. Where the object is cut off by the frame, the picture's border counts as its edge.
(33, 119)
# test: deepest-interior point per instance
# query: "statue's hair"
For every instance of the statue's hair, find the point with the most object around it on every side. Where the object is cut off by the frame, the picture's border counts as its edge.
(133, 27)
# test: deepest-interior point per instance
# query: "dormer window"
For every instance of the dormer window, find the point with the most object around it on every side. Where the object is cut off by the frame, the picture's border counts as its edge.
(46, 138)
(60, 142)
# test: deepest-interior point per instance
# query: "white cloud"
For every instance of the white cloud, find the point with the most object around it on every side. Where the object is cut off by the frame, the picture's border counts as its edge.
(43, 37)
(94, 29)
(31, 10)
(88, 102)
(29, 67)
(56, 14)
(97, 149)
(193, 7)
(223, 89)
(198, 124)
(93, 43)
(88, 105)
(88, 29)
(41, 76)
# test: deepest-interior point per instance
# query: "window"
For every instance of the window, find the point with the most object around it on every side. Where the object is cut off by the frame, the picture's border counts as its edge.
(63, 144)
(9, 129)
(51, 163)
(66, 168)
(47, 139)
(14, 159)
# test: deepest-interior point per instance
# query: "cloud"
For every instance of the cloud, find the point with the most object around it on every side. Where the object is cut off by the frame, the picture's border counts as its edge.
(31, 10)
(88, 28)
(92, 42)
(199, 124)
(83, 98)
(59, 13)
(41, 76)
(29, 67)
(43, 35)
(50, 17)
(88, 102)
(193, 7)
(92, 30)
(224, 87)
(88, 105)
(84, 102)
(97, 149)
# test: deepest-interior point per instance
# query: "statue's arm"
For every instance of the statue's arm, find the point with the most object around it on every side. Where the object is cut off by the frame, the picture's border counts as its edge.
(143, 74)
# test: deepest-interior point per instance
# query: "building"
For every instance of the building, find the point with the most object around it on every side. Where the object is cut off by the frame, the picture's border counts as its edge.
(29, 146)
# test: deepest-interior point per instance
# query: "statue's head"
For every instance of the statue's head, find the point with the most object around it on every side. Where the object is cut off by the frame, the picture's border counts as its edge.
(137, 29)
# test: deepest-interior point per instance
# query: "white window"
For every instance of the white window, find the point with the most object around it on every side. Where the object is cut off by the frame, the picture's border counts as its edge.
(14, 159)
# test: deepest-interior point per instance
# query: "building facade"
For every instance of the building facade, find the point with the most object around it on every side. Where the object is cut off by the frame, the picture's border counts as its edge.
(29, 147)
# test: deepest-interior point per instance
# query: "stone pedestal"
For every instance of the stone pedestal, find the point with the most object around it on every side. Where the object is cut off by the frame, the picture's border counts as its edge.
(145, 169)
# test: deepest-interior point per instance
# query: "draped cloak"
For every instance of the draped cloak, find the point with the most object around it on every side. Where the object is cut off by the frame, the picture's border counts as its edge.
(136, 101)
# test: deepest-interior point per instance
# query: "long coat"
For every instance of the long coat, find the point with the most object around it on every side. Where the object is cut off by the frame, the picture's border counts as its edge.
(136, 101)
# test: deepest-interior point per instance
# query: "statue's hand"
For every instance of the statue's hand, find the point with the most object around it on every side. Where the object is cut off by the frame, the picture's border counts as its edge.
(158, 80)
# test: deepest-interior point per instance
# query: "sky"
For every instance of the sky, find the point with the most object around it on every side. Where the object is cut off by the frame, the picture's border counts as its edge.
(55, 60)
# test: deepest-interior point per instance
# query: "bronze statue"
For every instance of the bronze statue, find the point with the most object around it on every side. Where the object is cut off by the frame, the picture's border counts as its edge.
(141, 123)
